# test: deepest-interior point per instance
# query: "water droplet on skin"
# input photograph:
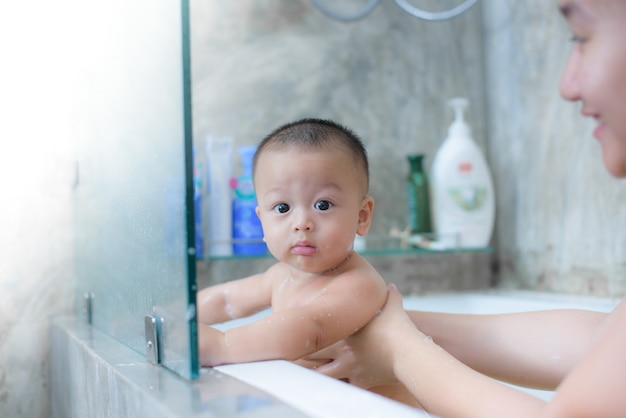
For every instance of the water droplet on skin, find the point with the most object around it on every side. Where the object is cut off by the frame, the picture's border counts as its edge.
(229, 311)
(228, 308)
(282, 285)
(428, 339)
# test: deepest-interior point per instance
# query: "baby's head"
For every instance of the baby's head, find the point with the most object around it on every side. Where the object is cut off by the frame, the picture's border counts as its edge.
(311, 181)
(318, 135)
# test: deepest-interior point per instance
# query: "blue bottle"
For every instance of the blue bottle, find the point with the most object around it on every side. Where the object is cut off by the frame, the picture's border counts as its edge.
(246, 223)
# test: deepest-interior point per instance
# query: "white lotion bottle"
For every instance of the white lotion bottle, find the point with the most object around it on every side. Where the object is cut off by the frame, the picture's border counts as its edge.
(219, 160)
(462, 197)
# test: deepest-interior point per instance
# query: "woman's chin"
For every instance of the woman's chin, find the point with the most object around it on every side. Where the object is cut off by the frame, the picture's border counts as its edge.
(614, 165)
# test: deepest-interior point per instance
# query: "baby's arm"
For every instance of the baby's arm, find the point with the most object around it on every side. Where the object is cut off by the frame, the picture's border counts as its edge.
(234, 299)
(223, 302)
(348, 302)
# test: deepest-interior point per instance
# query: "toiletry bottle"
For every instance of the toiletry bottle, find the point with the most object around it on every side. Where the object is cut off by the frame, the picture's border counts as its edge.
(463, 203)
(246, 223)
(219, 170)
(418, 196)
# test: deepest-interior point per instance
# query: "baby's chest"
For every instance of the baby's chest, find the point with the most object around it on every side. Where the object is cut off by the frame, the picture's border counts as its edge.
(289, 297)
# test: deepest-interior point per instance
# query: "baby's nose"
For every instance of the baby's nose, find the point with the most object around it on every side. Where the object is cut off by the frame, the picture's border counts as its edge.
(303, 222)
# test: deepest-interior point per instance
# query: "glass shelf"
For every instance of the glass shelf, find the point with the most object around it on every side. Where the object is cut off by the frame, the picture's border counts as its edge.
(378, 245)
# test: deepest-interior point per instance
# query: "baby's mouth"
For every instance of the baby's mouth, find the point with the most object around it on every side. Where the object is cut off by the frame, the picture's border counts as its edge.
(304, 248)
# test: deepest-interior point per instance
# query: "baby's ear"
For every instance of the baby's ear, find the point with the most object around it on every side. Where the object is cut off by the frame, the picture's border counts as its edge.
(365, 215)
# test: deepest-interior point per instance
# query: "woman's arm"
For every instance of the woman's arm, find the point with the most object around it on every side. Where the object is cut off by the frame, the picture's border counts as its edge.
(595, 388)
(535, 349)
(441, 384)
(396, 349)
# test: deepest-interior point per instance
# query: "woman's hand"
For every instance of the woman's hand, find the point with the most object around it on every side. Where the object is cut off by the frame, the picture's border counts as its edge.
(366, 358)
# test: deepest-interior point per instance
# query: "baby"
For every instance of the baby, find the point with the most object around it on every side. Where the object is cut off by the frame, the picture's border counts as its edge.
(311, 181)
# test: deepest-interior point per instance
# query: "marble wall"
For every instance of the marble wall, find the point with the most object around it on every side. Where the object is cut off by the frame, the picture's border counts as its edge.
(561, 216)
(388, 76)
(257, 65)
(559, 212)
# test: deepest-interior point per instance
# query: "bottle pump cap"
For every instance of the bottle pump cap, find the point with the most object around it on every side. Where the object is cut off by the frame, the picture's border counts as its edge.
(459, 127)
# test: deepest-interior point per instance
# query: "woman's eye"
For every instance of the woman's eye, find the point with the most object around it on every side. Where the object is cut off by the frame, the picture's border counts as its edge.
(281, 208)
(323, 205)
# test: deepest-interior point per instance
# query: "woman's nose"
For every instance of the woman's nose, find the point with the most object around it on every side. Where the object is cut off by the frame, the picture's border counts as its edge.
(569, 86)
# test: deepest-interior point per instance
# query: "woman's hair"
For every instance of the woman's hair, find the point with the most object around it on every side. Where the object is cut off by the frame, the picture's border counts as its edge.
(317, 134)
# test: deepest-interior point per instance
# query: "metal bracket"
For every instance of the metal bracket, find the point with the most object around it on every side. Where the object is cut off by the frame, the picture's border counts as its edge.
(153, 341)
(88, 298)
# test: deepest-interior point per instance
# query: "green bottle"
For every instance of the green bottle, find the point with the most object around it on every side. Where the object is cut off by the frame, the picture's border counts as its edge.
(418, 196)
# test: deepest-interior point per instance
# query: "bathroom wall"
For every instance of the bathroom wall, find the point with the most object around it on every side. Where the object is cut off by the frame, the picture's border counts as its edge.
(388, 76)
(36, 177)
(259, 64)
(561, 216)
(59, 78)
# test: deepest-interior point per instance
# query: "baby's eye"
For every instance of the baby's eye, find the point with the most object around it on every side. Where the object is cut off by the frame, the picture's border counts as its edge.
(282, 208)
(323, 205)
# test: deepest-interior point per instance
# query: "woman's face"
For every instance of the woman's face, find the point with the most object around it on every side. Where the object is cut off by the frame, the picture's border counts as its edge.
(596, 72)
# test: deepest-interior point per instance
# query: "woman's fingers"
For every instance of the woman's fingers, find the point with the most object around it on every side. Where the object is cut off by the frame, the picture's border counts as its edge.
(333, 369)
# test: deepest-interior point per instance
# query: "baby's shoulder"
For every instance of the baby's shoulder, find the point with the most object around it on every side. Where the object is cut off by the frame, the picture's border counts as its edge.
(361, 275)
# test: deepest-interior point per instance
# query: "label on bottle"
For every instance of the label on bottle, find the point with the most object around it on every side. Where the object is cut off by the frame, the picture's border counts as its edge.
(246, 223)
(465, 204)
(465, 167)
(468, 198)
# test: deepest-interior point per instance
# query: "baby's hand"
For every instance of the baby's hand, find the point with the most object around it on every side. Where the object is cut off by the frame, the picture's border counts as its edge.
(210, 343)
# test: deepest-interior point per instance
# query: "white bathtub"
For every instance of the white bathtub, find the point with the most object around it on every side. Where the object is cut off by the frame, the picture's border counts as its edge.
(319, 396)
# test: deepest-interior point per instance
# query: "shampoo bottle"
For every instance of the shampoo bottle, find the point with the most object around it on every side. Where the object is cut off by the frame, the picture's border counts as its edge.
(247, 230)
(463, 203)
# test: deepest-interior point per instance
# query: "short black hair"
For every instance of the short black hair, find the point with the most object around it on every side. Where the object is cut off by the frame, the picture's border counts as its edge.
(312, 133)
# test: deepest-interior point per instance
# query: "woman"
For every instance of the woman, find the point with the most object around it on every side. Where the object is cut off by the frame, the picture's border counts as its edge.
(580, 354)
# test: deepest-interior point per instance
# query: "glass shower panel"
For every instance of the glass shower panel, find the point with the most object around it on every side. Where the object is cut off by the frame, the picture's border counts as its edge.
(134, 221)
